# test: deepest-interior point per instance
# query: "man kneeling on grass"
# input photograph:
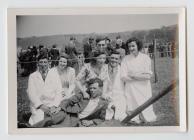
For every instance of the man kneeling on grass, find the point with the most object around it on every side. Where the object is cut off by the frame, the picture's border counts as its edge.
(78, 111)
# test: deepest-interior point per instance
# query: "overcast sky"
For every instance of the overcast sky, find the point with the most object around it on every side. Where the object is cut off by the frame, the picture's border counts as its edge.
(28, 26)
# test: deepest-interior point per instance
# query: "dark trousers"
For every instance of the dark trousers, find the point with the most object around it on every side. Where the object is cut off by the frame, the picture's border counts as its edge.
(51, 120)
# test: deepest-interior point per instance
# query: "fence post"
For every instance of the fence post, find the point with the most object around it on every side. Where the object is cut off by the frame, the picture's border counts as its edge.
(154, 59)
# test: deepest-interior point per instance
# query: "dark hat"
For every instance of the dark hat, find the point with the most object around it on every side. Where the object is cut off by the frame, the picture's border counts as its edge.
(99, 38)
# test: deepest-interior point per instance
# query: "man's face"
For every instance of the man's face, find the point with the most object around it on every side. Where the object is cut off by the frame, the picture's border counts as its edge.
(119, 42)
(102, 45)
(114, 60)
(95, 90)
(43, 64)
(90, 41)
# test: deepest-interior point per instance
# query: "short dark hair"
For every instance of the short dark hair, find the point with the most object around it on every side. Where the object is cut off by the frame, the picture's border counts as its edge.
(41, 46)
(98, 39)
(114, 52)
(95, 80)
(95, 54)
(42, 57)
(64, 55)
(137, 41)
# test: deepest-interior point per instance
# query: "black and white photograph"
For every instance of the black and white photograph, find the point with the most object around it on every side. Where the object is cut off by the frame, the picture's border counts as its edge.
(99, 70)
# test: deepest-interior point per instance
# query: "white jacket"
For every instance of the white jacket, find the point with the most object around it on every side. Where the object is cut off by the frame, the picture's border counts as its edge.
(48, 92)
(116, 93)
(36, 88)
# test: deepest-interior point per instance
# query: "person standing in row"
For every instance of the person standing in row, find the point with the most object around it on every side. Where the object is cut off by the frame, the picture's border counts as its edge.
(54, 56)
(136, 73)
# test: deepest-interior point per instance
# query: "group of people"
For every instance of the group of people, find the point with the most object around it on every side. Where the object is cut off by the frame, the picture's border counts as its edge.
(106, 85)
(27, 58)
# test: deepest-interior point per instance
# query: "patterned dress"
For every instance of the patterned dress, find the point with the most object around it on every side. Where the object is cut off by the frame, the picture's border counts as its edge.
(87, 73)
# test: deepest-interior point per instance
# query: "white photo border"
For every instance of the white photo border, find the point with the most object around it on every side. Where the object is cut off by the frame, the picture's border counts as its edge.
(12, 75)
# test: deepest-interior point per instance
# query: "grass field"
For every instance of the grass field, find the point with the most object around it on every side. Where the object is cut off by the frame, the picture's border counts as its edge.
(166, 109)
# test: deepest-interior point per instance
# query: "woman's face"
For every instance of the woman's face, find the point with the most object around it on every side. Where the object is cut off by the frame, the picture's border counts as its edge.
(133, 47)
(62, 63)
(101, 59)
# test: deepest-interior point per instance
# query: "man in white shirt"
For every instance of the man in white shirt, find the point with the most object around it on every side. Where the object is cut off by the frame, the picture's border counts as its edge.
(36, 88)
(114, 91)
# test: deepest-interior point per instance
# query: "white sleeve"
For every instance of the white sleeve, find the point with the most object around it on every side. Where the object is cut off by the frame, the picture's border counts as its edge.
(49, 84)
(32, 92)
(71, 82)
(124, 72)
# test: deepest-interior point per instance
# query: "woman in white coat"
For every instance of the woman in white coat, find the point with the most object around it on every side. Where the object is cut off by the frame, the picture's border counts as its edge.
(136, 73)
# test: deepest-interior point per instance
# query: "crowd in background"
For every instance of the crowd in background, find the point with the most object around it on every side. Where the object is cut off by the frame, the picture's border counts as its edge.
(27, 58)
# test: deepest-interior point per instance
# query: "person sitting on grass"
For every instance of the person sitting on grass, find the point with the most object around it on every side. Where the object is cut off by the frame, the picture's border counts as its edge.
(79, 111)
(114, 91)
(36, 88)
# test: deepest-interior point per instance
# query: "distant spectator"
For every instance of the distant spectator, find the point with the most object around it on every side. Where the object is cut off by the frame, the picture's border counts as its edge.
(161, 51)
(121, 44)
(33, 59)
(43, 51)
(109, 46)
(80, 62)
(26, 60)
(54, 55)
(151, 51)
(70, 49)
(173, 49)
(120, 47)
(88, 46)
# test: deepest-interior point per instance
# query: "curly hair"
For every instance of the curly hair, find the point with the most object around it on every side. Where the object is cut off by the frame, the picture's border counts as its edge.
(137, 41)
